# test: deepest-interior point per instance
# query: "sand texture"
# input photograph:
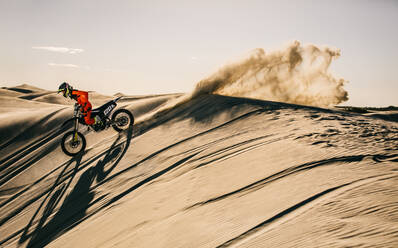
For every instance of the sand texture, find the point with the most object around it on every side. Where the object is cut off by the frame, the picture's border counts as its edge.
(211, 171)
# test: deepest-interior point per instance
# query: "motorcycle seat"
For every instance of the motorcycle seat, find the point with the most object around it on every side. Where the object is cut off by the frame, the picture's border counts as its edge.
(95, 111)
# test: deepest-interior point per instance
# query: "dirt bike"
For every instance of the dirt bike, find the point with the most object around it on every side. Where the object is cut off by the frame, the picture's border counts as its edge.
(74, 142)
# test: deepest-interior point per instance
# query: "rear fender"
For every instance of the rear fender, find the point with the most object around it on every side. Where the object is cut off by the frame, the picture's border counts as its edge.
(117, 99)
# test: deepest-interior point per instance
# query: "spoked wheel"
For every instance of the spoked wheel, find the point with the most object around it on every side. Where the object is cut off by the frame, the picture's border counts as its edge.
(73, 143)
(122, 119)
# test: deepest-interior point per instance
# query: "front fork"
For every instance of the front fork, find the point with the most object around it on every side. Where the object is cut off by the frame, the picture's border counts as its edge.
(76, 124)
(76, 127)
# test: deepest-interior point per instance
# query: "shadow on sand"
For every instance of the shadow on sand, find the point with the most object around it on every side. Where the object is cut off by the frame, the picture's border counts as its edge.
(54, 220)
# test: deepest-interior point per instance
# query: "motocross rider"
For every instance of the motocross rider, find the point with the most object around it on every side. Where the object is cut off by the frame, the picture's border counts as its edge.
(82, 99)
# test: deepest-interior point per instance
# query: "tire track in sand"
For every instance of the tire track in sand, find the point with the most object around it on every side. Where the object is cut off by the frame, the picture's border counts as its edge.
(298, 209)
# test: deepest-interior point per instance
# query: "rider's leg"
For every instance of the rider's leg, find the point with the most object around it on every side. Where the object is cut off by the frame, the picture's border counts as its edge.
(88, 119)
(87, 114)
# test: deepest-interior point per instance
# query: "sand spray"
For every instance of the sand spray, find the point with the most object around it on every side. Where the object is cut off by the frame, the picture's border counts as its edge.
(296, 74)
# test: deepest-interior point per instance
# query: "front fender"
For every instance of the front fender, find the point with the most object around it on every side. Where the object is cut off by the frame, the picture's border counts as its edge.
(70, 120)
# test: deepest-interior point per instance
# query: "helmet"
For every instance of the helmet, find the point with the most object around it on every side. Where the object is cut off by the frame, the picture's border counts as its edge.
(66, 89)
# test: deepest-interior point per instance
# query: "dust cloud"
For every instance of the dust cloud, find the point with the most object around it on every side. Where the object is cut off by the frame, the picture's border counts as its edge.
(298, 74)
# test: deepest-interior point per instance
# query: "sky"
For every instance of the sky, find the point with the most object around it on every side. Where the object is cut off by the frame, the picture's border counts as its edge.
(158, 46)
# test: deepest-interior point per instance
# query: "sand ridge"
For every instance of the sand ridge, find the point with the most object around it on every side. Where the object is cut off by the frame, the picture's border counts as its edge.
(213, 171)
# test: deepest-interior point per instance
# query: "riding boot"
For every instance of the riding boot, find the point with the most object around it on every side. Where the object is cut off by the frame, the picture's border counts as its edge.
(98, 124)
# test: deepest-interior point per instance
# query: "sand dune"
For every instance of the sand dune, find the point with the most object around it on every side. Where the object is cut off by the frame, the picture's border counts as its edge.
(212, 171)
(7, 92)
(25, 89)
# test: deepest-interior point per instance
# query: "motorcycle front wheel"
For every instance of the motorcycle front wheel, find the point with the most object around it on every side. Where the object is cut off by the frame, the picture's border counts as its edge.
(73, 143)
(122, 119)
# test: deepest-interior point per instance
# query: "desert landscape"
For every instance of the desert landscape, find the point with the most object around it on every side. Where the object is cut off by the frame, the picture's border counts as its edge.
(257, 123)
(208, 170)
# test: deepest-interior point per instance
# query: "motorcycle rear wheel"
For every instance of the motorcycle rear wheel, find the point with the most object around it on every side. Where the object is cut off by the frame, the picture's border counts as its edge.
(122, 119)
(73, 143)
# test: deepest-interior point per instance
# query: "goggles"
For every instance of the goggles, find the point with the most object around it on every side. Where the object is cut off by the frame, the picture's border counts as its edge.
(65, 92)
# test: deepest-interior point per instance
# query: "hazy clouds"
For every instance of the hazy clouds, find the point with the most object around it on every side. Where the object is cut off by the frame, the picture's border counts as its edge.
(63, 65)
(59, 49)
